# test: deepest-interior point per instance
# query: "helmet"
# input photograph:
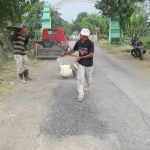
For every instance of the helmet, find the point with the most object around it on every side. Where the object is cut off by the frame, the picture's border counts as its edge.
(85, 32)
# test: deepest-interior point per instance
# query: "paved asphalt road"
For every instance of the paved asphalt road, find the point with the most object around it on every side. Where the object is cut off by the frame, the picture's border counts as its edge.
(44, 114)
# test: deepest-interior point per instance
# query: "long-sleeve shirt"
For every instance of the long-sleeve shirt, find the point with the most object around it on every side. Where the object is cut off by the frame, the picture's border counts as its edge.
(19, 41)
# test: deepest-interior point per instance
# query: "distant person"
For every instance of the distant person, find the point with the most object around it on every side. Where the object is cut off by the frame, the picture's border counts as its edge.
(20, 40)
(85, 47)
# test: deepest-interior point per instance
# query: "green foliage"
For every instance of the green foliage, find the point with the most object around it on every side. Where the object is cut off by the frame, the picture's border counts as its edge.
(67, 27)
(123, 9)
(144, 39)
(33, 19)
(57, 21)
(95, 20)
(13, 10)
(3, 43)
(85, 20)
(9, 53)
(137, 24)
(76, 23)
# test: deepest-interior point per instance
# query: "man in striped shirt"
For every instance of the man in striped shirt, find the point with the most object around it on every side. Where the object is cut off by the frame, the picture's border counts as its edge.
(20, 40)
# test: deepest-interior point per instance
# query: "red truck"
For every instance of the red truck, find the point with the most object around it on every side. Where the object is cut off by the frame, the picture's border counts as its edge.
(54, 41)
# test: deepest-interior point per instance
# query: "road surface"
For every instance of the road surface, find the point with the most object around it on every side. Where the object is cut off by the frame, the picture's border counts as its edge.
(44, 114)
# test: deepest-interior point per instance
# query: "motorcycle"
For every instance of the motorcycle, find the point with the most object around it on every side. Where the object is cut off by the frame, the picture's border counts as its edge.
(138, 48)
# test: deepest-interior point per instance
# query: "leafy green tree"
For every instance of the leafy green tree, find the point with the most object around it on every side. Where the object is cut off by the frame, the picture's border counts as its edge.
(12, 12)
(33, 19)
(67, 27)
(137, 24)
(57, 21)
(76, 23)
(95, 20)
(123, 9)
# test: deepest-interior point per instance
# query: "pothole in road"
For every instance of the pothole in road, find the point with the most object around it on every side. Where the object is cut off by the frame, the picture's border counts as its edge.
(67, 117)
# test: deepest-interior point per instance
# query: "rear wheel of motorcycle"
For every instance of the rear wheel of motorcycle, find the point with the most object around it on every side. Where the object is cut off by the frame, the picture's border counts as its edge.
(141, 55)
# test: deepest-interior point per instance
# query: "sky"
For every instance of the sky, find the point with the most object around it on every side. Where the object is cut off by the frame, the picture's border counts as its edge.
(70, 11)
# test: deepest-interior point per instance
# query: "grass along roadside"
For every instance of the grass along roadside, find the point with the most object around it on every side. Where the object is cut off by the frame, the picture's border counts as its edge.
(112, 48)
(121, 54)
(9, 78)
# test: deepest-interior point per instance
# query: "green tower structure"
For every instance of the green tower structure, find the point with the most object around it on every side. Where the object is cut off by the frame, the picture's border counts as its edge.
(114, 31)
(46, 18)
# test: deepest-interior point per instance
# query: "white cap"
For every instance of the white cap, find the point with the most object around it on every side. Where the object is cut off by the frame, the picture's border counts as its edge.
(85, 32)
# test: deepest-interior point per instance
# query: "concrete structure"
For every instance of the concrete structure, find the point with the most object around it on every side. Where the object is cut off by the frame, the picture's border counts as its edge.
(114, 31)
(46, 18)
(65, 2)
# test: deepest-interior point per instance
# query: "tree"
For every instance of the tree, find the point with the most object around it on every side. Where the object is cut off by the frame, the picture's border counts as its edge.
(123, 9)
(137, 24)
(12, 13)
(144, 7)
(33, 19)
(13, 10)
(57, 21)
(67, 27)
(76, 23)
(95, 20)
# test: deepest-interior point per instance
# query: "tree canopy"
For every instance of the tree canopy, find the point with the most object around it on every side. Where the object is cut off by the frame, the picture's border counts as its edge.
(76, 23)
(123, 9)
(57, 21)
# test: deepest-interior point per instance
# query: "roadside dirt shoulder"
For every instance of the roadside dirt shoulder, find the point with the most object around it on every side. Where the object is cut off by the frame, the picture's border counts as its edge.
(8, 76)
(122, 56)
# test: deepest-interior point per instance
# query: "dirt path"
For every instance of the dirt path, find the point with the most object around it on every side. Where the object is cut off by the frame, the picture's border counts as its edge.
(136, 65)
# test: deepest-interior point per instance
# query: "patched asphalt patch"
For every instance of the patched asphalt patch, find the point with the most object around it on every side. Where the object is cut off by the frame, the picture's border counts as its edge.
(68, 117)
